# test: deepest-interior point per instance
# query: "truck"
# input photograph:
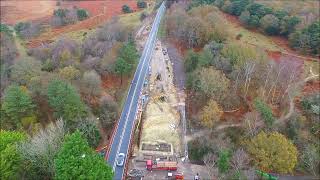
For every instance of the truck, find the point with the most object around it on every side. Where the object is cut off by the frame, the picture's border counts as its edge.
(161, 165)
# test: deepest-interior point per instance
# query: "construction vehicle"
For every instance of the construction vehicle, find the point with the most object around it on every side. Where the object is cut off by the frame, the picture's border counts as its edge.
(161, 165)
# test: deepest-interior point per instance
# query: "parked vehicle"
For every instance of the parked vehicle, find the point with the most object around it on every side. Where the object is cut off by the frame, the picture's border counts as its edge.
(161, 165)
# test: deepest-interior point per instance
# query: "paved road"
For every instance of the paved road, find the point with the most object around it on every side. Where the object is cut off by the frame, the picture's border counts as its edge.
(121, 139)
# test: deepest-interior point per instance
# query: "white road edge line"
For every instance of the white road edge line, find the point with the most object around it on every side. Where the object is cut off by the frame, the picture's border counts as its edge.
(128, 112)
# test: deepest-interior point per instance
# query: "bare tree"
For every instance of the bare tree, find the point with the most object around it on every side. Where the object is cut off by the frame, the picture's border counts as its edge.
(41, 149)
(251, 122)
(239, 160)
(91, 83)
(210, 163)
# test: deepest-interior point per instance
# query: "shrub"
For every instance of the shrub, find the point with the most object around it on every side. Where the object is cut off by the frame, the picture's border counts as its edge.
(141, 4)
(270, 24)
(307, 40)
(82, 14)
(143, 16)
(126, 9)
(5, 28)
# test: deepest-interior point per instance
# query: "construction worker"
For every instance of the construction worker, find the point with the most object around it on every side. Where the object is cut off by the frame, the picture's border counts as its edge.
(196, 177)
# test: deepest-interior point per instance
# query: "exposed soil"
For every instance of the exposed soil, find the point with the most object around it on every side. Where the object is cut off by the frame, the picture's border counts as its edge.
(41, 11)
(16, 11)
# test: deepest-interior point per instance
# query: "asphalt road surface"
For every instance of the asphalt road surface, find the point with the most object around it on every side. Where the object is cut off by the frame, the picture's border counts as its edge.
(121, 139)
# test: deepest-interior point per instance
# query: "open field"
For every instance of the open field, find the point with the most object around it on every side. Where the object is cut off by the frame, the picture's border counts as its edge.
(308, 10)
(13, 12)
(100, 12)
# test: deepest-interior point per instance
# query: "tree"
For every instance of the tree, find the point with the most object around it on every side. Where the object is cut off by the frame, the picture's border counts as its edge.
(211, 114)
(259, 10)
(211, 82)
(129, 53)
(310, 159)
(307, 40)
(10, 158)
(25, 69)
(254, 21)
(223, 161)
(107, 112)
(143, 15)
(82, 14)
(76, 160)
(90, 131)
(66, 102)
(191, 61)
(270, 24)
(239, 160)
(265, 111)
(69, 73)
(141, 4)
(122, 67)
(16, 105)
(273, 152)
(27, 29)
(42, 148)
(91, 83)
(250, 21)
(288, 25)
(126, 9)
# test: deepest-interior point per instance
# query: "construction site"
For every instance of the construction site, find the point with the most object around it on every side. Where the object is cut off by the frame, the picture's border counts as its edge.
(160, 148)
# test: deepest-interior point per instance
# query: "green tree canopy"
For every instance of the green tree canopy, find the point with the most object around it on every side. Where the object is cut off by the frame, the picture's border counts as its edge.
(10, 158)
(265, 112)
(16, 105)
(210, 81)
(76, 160)
(65, 101)
(270, 24)
(126, 9)
(122, 67)
(223, 161)
(273, 152)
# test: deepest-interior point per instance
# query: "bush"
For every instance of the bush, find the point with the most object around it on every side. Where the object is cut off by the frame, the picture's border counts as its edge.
(82, 14)
(27, 30)
(126, 9)
(250, 21)
(197, 150)
(307, 40)
(141, 4)
(288, 25)
(143, 16)
(270, 24)
(5, 29)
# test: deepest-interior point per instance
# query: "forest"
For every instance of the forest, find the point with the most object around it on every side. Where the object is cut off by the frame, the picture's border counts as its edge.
(252, 113)
(59, 99)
